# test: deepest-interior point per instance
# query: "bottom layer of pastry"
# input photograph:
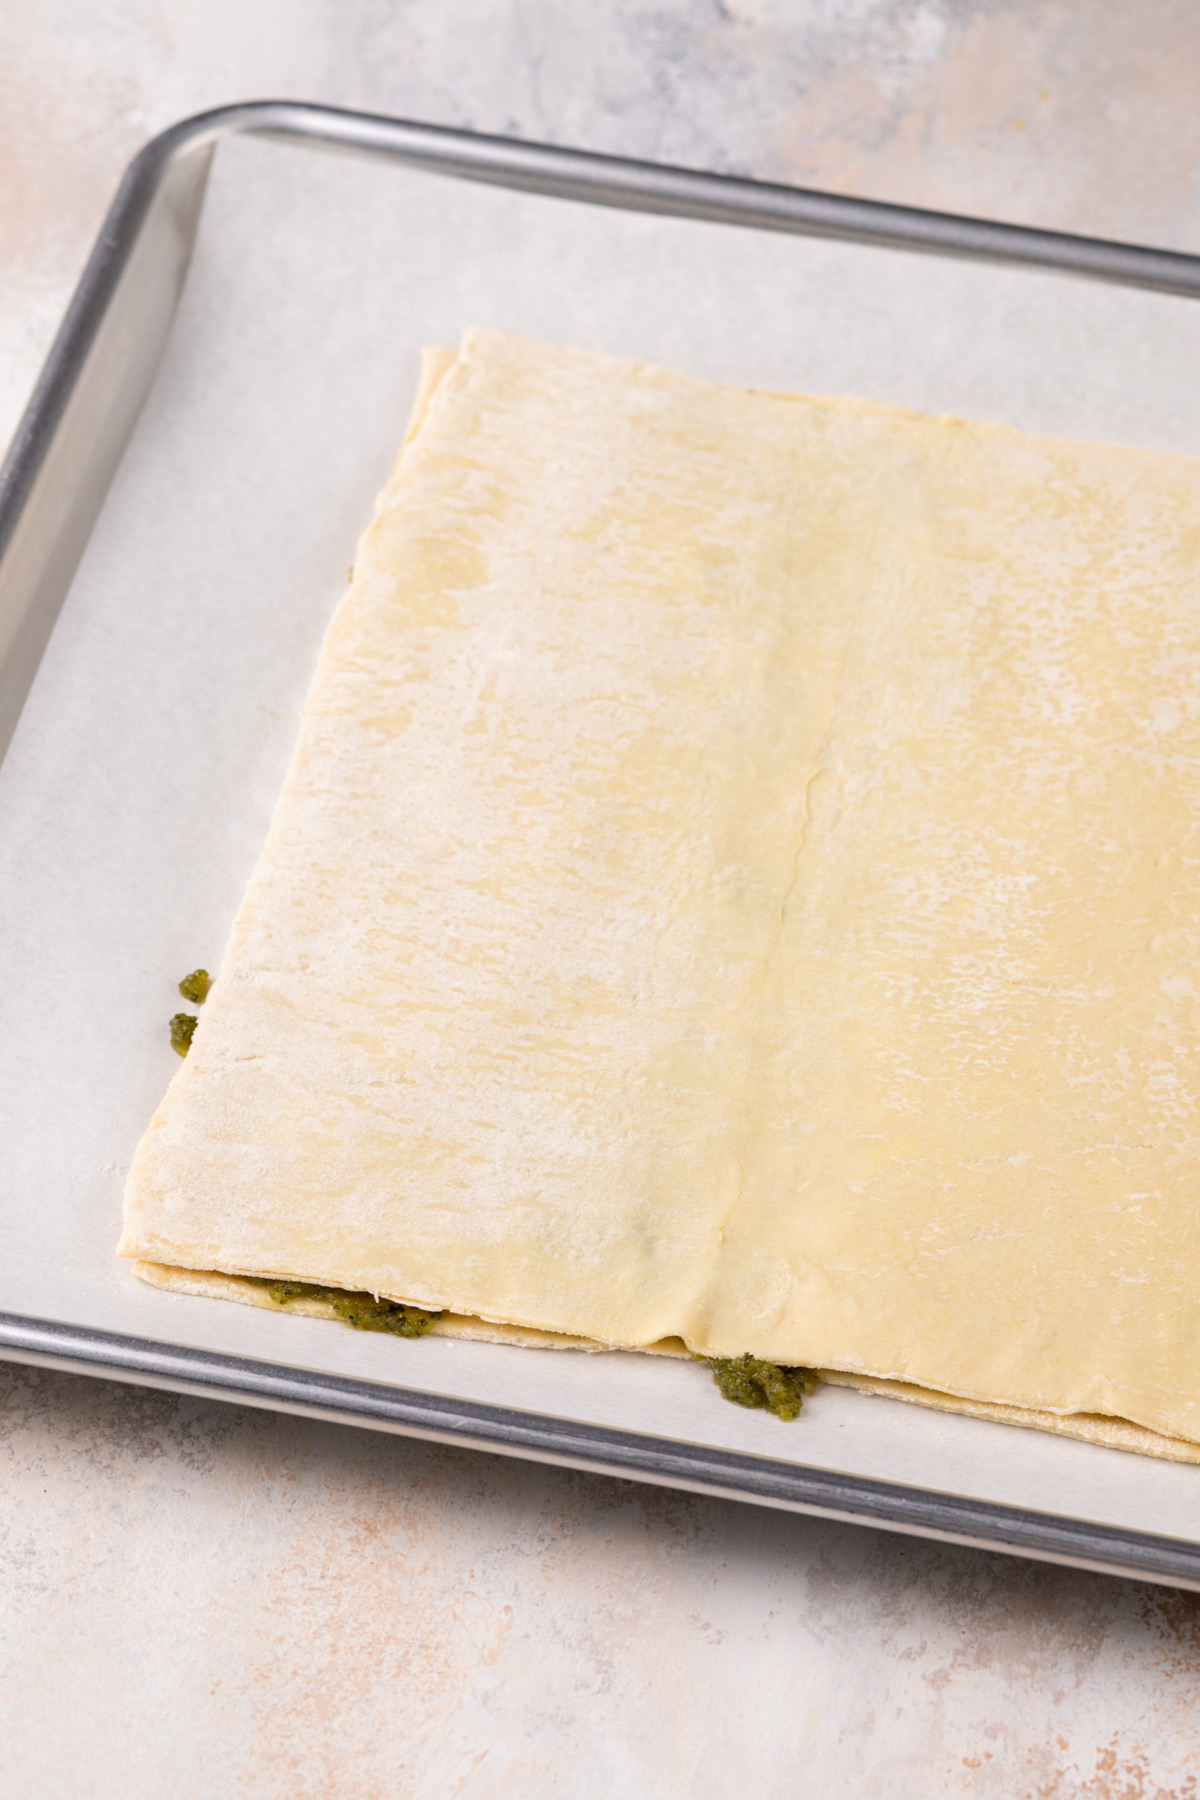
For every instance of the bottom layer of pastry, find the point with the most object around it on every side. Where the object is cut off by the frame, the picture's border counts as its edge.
(1093, 1428)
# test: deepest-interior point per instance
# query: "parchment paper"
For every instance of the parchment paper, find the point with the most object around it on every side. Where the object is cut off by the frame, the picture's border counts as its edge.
(139, 785)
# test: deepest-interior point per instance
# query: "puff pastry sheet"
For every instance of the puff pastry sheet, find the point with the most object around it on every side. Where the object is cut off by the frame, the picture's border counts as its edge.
(736, 888)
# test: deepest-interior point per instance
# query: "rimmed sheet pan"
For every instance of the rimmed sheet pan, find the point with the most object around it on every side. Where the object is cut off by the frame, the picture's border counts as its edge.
(239, 420)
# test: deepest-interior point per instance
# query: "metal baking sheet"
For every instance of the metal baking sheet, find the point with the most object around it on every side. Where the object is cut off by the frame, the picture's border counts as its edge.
(141, 774)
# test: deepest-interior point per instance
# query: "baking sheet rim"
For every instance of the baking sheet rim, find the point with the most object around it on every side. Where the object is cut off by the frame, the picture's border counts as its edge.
(578, 1444)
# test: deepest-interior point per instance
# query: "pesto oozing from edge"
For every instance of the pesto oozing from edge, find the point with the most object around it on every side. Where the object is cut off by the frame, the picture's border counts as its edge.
(746, 1380)
(363, 1311)
(749, 1381)
(194, 987)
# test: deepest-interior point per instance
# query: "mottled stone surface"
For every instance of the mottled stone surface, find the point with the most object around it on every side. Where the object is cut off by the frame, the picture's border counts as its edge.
(197, 1600)
(201, 1600)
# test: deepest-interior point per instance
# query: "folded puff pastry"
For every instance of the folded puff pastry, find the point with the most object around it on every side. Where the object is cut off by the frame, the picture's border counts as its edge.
(735, 890)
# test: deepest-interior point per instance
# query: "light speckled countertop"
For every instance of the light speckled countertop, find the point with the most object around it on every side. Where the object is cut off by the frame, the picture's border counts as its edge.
(197, 1600)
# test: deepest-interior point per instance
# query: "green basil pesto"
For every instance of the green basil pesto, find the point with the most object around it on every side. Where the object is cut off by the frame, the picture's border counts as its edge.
(194, 987)
(183, 1026)
(363, 1311)
(749, 1381)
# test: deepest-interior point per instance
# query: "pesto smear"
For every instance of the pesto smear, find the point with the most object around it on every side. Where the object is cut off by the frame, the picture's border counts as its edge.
(363, 1311)
(749, 1381)
(746, 1380)
(194, 987)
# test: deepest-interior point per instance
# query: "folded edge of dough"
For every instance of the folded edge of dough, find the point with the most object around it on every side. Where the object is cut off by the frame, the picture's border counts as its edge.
(1090, 1428)
(250, 1291)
